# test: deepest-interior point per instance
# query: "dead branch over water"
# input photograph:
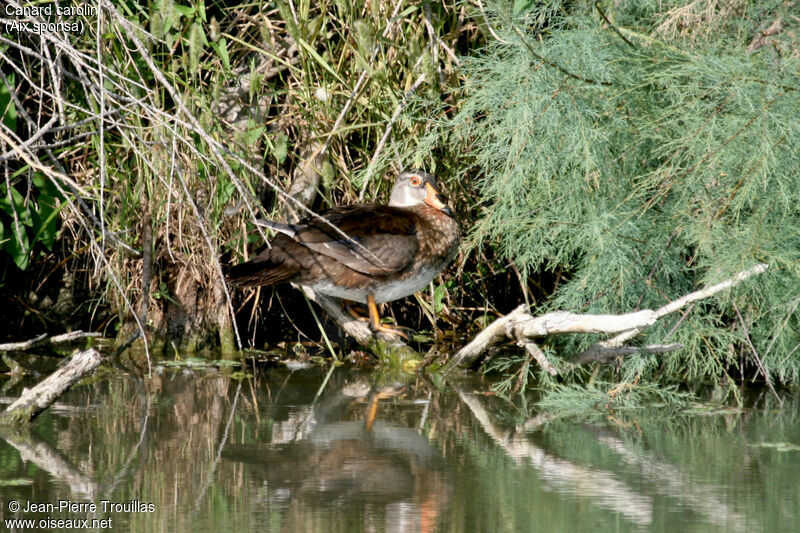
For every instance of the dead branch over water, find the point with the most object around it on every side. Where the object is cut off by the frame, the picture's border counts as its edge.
(35, 400)
(520, 326)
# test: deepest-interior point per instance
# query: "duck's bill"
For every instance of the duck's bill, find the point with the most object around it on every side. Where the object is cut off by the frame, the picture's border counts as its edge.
(434, 199)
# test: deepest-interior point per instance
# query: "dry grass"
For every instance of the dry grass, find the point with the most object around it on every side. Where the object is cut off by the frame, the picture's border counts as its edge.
(198, 116)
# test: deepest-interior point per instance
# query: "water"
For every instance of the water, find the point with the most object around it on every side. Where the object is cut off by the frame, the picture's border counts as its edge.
(199, 451)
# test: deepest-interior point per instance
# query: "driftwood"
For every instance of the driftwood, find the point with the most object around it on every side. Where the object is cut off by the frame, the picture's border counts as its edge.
(35, 400)
(520, 326)
(44, 339)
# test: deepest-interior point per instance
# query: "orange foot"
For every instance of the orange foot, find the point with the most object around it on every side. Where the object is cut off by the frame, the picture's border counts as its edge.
(375, 320)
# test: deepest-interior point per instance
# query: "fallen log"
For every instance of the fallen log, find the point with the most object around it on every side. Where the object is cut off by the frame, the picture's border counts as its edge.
(38, 398)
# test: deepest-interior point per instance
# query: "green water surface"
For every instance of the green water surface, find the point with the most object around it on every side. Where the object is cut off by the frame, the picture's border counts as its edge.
(194, 450)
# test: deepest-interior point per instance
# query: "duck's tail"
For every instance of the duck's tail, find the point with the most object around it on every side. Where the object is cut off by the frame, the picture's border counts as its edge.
(263, 269)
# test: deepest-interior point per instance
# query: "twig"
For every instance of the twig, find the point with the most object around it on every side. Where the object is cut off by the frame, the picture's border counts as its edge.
(677, 305)
(384, 346)
(610, 25)
(546, 61)
(537, 353)
(755, 355)
(28, 143)
(488, 24)
(386, 133)
(44, 339)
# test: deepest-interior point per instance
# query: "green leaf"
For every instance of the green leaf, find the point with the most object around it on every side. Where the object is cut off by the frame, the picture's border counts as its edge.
(17, 205)
(521, 6)
(221, 48)
(201, 10)
(42, 182)
(438, 296)
(46, 219)
(280, 147)
(186, 11)
(18, 246)
(254, 132)
(319, 59)
(225, 191)
(8, 111)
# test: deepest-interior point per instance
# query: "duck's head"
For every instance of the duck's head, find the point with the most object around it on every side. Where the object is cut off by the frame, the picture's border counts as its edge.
(414, 187)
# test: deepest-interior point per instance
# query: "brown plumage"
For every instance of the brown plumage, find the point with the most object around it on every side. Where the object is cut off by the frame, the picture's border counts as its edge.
(390, 251)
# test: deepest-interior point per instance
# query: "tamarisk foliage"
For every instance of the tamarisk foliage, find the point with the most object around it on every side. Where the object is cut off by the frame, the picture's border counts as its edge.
(644, 150)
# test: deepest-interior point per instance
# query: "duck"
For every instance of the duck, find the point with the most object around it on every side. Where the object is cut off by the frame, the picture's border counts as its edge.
(363, 253)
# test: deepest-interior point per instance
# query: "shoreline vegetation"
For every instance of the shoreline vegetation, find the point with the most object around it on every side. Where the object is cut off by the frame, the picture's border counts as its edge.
(625, 163)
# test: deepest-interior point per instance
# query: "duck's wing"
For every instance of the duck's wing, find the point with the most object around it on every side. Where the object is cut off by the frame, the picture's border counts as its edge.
(377, 239)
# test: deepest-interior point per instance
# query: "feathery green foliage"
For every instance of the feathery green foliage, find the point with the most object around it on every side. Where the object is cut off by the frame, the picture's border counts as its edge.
(644, 159)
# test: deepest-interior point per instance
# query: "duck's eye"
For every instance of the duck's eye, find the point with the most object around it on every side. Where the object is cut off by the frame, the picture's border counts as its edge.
(416, 181)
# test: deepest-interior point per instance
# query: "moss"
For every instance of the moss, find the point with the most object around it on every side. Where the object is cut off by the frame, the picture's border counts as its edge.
(395, 355)
(21, 415)
(227, 343)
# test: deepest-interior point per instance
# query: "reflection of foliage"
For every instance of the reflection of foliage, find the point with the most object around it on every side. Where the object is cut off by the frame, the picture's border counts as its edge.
(158, 440)
(601, 398)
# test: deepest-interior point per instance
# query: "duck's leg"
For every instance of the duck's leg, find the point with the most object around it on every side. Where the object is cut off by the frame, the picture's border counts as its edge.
(372, 409)
(375, 319)
(353, 313)
(372, 412)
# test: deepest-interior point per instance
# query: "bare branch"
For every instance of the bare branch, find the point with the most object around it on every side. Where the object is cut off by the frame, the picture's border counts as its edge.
(44, 339)
(537, 353)
(520, 326)
(682, 302)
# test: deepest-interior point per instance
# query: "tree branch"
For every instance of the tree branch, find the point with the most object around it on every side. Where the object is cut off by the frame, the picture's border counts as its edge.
(39, 340)
(521, 327)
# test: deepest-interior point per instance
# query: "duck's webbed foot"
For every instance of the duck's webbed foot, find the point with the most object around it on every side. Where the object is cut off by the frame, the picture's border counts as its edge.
(375, 321)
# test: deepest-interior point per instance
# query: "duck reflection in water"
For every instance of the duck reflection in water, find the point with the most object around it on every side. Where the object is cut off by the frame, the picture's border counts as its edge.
(358, 475)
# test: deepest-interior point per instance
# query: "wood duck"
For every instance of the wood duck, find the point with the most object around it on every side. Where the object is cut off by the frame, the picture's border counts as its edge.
(374, 254)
